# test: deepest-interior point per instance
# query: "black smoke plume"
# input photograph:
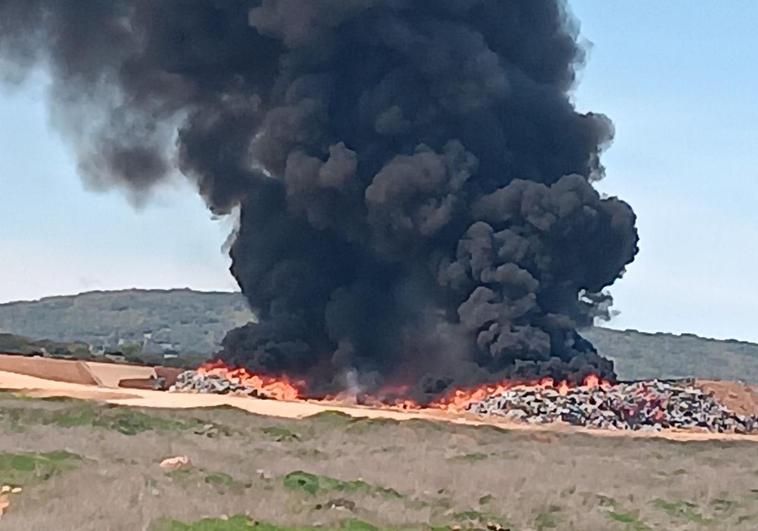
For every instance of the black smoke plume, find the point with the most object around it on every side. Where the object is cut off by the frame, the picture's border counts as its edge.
(413, 181)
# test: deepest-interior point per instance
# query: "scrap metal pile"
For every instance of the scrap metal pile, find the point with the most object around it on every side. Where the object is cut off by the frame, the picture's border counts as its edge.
(214, 378)
(651, 405)
(638, 406)
(212, 383)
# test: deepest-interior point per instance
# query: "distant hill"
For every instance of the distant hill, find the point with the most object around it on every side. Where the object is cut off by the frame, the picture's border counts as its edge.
(159, 321)
(640, 355)
(23, 345)
(153, 323)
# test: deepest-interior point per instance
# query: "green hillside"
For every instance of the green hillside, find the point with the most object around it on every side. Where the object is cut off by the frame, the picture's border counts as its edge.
(152, 323)
(173, 321)
(641, 355)
(23, 345)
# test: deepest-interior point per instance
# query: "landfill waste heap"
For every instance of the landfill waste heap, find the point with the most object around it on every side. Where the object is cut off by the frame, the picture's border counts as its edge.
(651, 405)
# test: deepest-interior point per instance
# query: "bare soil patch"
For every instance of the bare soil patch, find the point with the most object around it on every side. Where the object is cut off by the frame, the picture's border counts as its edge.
(738, 397)
(49, 369)
(109, 374)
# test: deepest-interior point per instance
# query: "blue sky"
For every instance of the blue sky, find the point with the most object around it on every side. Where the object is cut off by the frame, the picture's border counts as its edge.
(678, 78)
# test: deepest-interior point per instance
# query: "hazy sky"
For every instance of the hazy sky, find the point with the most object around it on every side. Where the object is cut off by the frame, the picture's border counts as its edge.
(679, 80)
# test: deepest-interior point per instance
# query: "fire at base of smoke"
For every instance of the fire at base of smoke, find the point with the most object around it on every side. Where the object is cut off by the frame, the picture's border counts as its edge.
(630, 406)
(391, 161)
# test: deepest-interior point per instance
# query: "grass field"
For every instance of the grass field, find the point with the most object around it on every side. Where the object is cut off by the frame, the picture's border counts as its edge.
(84, 466)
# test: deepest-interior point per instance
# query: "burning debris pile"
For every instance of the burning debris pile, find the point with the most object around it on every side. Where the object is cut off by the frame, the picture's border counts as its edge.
(637, 406)
(196, 382)
(651, 405)
(216, 379)
(413, 184)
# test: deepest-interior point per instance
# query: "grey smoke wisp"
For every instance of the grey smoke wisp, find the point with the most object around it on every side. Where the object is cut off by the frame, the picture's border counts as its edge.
(413, 180)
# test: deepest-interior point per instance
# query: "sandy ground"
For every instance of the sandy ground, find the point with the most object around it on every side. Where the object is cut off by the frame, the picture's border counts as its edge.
(52, 369)
(738, 397)
(70, 371)
(109, 374)
(38, 387)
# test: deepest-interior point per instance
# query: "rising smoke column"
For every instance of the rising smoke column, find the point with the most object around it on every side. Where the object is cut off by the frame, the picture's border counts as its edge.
(413, 181)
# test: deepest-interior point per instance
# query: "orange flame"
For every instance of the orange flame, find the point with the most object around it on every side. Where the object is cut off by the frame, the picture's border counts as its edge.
(275, 388)
(458, 400)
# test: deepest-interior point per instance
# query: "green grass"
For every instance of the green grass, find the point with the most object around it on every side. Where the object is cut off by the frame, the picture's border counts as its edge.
(122, 420)
(548, 519)
(331, 418)
(358, 525)
(631, 521)
(235, 523)
(220, 479)
(479, 518)
(181, 474)
(243, 523)
(682, 510)
(262, 470)
(195, 477)
(24, 469)
(313, 484)
(126, 422)
(281, 434)
(616, 513)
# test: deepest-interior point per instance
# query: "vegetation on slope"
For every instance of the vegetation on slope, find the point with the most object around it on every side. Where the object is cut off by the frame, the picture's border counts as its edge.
(640, 355)
(24, 345)
(145, 325)
(158, 321)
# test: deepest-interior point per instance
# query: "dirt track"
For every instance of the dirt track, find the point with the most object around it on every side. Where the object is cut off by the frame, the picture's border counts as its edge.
(41, 387)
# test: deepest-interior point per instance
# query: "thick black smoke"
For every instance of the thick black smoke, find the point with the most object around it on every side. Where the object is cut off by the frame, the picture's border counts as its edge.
(413, 180)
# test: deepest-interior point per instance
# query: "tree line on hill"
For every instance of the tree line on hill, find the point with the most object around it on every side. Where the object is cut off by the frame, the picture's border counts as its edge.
(185, 327)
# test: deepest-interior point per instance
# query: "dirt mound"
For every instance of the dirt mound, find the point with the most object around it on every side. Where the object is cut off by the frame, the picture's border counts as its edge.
(738, 397)
(109, 374)
(67, 371)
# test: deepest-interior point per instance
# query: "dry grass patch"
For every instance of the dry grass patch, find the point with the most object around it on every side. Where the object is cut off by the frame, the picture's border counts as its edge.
(334, 471)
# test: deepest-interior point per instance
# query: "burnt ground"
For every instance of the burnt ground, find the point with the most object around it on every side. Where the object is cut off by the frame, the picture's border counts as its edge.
(86, 466)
